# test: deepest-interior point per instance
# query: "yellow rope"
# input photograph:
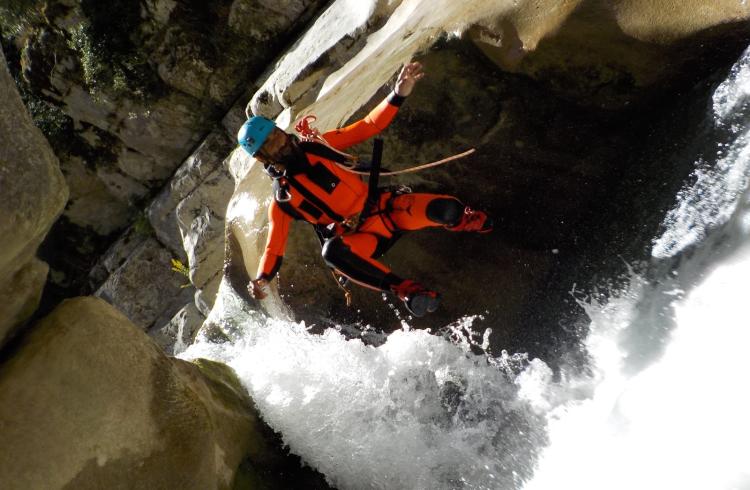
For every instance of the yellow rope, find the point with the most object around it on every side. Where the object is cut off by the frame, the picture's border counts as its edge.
(347, 293)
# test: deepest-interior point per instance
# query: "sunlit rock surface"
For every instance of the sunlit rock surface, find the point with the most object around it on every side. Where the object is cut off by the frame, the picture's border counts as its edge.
(180, 331)
(89, 402)
(32, 195)
(203, 164)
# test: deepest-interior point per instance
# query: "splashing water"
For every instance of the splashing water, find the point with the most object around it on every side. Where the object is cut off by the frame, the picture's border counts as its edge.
(680, 419)
(712, 199)
(415, 412)
(680, 423)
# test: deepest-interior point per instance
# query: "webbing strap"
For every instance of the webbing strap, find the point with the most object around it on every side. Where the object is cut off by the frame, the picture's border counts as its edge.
(314, 200)
(326, 152)
(285, 206)
(372, 183)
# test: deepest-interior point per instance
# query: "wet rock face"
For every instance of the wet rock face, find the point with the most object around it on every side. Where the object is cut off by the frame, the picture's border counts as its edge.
(32, 194)
(179, 332)
(88, 401)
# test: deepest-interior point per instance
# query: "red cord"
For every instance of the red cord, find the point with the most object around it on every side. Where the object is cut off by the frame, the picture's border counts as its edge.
(304, 129)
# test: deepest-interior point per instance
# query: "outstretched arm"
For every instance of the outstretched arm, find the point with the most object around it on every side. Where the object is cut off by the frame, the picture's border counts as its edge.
(380, 117)
(278, 231)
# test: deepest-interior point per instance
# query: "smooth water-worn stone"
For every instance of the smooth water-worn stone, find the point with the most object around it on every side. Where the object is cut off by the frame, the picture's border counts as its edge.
(88, 401)
(21, 292)
(609, 53)
(32, 195)
(335, 38)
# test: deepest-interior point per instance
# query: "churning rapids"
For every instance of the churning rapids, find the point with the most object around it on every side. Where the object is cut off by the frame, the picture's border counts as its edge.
(665, 405)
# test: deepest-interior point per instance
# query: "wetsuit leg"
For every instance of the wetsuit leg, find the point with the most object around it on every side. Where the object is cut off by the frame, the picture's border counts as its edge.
(352, 256)
(417, 211)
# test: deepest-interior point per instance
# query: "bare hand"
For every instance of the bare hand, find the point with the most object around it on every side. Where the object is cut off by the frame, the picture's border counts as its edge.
(258, 288)
(410, 74)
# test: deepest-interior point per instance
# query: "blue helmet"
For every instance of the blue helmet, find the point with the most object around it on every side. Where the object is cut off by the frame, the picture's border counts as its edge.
(253, 133)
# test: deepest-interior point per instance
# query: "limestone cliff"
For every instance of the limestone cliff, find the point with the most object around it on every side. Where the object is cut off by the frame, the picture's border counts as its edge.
(139, 91)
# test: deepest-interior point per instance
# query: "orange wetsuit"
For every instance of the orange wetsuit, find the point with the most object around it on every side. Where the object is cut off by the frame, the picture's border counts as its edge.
(322, 193)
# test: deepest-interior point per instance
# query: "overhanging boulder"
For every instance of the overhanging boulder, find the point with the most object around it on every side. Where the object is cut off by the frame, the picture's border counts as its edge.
(32, 195)
(88, 401)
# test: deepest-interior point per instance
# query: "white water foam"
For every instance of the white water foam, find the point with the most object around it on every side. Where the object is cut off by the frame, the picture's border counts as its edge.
(417, 412)
(680, 423)
(711, 200)
(731, 96)
(709, 203)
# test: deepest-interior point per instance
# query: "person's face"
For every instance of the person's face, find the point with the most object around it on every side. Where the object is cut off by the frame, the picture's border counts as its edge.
(277, 149)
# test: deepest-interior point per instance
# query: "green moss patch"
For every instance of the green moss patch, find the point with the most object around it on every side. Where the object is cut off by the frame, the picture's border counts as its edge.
(108, 52)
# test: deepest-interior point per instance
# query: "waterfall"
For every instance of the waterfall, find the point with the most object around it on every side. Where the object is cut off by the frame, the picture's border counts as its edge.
(664, 405)
(669, 404)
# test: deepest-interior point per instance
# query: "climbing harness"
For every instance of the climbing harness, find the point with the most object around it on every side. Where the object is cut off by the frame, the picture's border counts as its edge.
(283, 181)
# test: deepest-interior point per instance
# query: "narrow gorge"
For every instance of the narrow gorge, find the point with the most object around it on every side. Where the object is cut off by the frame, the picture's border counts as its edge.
(612, 152)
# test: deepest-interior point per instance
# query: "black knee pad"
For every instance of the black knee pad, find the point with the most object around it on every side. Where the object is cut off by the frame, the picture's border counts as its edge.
(446, 211)
(334, 248)
(340, 257)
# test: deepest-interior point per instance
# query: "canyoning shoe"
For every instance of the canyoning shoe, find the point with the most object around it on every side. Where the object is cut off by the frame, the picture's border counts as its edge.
(472, 220)
(419, 304)
(417, 299)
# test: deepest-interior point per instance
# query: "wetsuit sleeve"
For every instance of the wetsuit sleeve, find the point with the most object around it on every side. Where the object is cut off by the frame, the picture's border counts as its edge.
(278, 232)
(376, 121)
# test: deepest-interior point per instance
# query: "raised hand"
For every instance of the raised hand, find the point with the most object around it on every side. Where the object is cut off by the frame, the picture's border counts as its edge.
(410, 74)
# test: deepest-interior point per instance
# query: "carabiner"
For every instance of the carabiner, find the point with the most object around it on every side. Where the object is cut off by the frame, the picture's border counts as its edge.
(287, 196)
